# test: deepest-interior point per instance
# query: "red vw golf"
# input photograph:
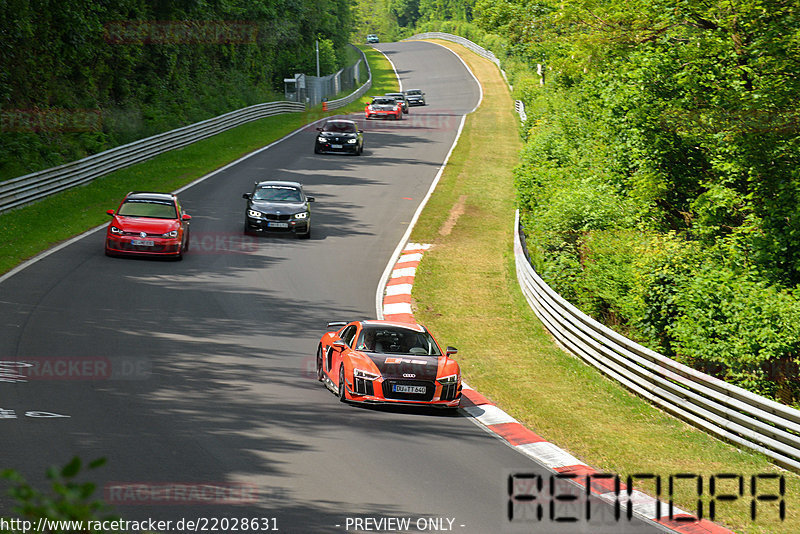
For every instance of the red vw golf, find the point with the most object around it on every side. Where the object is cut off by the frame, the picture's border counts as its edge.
(152, 224)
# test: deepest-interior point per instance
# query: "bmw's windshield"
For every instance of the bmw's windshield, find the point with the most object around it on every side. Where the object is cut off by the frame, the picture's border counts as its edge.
(274, 193)
(339, 127)
(396, 340)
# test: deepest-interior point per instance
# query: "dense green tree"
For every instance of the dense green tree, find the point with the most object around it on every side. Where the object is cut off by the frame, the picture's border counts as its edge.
(660, 182)
(149, 65)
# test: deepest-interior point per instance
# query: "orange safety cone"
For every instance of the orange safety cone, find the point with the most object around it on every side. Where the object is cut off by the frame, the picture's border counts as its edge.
(324, 105)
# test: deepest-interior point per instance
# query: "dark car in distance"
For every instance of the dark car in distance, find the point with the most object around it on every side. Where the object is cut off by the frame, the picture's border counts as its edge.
(278, 206)
(415, 97)
(339, 136)
(148, 224)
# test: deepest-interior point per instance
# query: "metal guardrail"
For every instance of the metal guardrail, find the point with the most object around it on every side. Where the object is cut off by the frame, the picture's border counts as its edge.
(727, 411)
(488, 54)
(519, 107)
(717, 407)
(35, 186)
(352, 97)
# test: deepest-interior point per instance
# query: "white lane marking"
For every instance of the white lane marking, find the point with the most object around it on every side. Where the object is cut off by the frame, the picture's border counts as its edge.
(404, 239)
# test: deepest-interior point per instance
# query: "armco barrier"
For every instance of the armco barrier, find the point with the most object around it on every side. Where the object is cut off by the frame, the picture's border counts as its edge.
(35, 186)
(488, 54)
(725, 410)
(352, 97)
(722, 409)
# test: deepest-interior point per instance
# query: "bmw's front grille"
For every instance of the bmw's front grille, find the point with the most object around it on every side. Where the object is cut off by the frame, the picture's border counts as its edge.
(274, 217)
(390, 393)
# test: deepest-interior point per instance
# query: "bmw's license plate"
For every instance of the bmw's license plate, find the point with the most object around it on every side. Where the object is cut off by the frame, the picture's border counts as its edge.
(278, 225)
(142, 242)
(401, 388)
(336, 146)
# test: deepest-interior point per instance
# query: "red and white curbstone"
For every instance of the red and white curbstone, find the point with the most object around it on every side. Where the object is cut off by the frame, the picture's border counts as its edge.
(397, 297)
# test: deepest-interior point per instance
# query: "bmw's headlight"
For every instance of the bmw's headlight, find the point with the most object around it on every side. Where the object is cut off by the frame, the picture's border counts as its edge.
(358, 373)
(302, 215)
(173, 233)
(115, 230)
(253, 213)
(452, 379)
(352, 141)
(321, 139)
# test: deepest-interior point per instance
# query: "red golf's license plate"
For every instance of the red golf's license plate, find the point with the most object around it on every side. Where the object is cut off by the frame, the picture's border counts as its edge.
(142, 242)
(401, 388)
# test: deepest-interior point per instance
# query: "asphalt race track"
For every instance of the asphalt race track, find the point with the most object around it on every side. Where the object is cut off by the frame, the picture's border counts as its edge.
(202, 371)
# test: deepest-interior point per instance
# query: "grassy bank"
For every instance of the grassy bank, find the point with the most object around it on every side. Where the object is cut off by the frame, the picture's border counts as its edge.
(26, 231)
(466, 291)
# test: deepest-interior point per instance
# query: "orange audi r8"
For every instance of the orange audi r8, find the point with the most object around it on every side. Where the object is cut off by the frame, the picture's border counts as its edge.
(387, 362)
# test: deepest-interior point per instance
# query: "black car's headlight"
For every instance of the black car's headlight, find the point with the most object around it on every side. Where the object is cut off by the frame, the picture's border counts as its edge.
(352, 141)
(173, 233)
(302, 215)
(115, 230)
(321, 139)
(253, 213)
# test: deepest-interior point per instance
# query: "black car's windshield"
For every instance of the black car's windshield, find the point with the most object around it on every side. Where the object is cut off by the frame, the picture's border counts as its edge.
(383, 101)
(339, 127)
(413, 92)
(156, 209)
(396, 340)
(274, 193)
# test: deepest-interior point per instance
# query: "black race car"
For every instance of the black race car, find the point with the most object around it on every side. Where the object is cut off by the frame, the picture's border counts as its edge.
(276, 206)
(415, 97)
(339, 136)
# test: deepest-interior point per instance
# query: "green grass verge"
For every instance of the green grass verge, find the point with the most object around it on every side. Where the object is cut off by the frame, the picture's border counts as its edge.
(467, 293)
(26, 231)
